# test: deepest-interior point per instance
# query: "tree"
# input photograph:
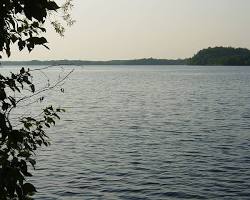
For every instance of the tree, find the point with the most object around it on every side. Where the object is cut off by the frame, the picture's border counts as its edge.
(22, 23)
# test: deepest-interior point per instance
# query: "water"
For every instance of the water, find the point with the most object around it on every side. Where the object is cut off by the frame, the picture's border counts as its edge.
(149, 132)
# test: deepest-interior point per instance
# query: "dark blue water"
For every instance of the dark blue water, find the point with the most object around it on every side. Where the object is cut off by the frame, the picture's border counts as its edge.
(150, 132)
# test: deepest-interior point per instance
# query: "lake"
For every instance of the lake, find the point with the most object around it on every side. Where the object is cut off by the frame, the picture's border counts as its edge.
(149, 133)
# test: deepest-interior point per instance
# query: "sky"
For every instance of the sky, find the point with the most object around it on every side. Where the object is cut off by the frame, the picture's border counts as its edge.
(128, 29)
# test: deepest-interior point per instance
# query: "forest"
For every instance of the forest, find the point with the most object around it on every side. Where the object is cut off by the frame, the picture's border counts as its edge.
(228, 56)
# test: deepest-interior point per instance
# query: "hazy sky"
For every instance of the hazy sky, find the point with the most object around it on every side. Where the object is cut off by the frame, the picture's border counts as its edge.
(125, 29)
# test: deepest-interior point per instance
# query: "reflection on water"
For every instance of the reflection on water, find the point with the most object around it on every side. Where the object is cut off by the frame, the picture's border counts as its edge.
(150, 132)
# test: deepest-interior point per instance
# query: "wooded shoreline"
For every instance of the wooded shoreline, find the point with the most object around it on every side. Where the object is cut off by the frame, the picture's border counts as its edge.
(217, 56)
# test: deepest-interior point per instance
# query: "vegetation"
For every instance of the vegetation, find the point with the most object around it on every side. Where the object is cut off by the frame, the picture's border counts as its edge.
(21, 23)
(144, 61)
(209, 56)
(221, 56)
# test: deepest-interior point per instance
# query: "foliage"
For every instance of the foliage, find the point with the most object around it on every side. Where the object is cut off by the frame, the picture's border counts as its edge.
(18, 143)
(221, 56)
(144, 61)
(22, 23)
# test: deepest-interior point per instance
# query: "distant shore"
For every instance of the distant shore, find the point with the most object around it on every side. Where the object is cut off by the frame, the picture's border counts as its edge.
(216, 56)
(144, 61)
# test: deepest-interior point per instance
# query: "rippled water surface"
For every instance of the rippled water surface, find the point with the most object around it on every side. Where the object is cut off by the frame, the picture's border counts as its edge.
(149, 132)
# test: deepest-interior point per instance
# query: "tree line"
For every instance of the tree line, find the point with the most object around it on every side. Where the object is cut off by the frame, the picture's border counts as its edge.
(221, 56)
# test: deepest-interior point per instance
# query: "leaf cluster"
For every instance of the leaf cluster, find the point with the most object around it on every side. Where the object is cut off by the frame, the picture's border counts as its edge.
(19, 143)
(21, 22)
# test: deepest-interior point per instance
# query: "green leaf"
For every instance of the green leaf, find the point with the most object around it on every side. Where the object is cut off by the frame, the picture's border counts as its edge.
(29, 189)
(2, 94)
(24, 154)
(5, 106)
(32, 161)
(13, 38)
(22, 71)
(21, 45)
(51, 5)
(27, 125)
(19, 191)
(13, 101)
(32, 87)
(46, 124)
(56, 115)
